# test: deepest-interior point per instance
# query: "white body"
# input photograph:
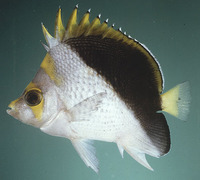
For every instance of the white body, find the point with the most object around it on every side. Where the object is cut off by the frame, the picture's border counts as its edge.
(69, 99)
(91, 110)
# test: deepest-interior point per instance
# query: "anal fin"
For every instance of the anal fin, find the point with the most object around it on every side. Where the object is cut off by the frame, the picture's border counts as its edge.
(121, 149)
(86, 151)
(139, 157)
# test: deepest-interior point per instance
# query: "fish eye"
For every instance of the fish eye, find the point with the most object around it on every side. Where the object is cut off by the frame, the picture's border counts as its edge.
(33, 97)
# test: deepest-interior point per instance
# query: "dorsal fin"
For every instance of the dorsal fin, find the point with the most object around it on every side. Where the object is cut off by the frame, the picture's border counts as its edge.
(84, 23)
(96, 28)
(59, 28)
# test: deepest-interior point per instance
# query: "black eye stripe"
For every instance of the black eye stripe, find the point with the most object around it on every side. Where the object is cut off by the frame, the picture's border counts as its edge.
(33, 97)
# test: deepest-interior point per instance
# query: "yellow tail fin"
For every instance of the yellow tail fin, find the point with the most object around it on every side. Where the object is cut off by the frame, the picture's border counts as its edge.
(176, 101)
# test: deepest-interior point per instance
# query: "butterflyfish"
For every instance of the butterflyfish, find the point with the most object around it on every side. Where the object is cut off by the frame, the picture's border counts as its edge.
(98, 83)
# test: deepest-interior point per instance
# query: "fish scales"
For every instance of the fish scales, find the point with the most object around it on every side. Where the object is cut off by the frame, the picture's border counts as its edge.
(114, 61)
(92, 83)
(97, 83)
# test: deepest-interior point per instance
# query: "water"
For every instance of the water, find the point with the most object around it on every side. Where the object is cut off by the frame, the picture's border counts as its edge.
(170, 29)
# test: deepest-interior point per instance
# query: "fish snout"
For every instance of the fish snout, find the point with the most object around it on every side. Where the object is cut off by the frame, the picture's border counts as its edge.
(12, 111)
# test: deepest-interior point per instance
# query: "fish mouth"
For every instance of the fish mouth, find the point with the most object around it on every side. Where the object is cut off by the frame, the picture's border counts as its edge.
(12, 112)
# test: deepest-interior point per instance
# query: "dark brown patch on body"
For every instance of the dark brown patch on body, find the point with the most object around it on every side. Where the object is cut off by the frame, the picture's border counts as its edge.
(132, 76)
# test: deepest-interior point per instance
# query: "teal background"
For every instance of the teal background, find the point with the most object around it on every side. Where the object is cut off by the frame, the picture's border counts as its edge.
(169, 28)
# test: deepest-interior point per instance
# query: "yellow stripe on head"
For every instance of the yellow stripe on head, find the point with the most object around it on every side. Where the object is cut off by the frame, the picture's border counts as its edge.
(48, 66)
(12, 104)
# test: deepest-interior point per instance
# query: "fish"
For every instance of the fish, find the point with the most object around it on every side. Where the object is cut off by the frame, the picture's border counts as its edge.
(98, 83)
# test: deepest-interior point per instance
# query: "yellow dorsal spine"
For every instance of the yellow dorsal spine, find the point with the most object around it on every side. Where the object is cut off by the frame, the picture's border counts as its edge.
(72, 24)
(104, 26)
(109, 33)
(59, 28)
(96, 28)
(47, 36)
(51, 41)
(84, 23)
(92, 29)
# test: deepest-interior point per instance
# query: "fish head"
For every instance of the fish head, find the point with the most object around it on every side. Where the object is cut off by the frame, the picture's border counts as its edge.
(38, 103)
(23, 107)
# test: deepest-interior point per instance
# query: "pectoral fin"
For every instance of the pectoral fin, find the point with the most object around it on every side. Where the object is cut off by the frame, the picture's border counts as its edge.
(83, 110)
(86, 151)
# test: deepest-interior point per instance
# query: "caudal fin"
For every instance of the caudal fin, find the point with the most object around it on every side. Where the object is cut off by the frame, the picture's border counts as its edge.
(176, 101)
